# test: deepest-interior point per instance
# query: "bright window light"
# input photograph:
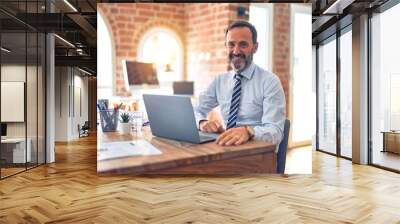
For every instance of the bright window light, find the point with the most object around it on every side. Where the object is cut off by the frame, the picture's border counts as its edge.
(163, 48)
(104, 60)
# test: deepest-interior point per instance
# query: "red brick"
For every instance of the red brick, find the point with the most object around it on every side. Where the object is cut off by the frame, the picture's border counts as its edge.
(127, 11)
(114, 11)
(125, 40)
(125, 5)
(140, 19)
(145, 13)
(121, 25)
(120, 82)
(123, 18)
(203, 6)
(164, 15)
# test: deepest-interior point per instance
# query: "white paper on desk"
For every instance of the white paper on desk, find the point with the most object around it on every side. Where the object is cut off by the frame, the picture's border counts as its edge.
(112, 150)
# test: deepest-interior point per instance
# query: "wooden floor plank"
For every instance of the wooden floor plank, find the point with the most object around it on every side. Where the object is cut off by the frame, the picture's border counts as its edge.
(69, 191)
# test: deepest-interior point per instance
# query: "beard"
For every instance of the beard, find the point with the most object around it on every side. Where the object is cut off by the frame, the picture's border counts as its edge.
(239, 62)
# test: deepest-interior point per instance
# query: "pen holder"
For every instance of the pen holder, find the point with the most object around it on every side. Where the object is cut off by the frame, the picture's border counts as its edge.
(109, 120)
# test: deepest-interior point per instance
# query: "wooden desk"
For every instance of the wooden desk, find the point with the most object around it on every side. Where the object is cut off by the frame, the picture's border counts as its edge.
(13, 150)
(186, 158)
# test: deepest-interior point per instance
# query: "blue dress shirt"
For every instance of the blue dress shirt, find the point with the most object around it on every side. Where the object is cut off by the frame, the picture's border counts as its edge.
(262, 103)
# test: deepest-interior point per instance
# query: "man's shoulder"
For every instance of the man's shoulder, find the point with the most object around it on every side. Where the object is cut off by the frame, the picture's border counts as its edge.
(223, 76)
(264, 75)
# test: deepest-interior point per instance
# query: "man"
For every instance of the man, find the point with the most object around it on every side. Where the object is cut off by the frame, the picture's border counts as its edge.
(251, 99)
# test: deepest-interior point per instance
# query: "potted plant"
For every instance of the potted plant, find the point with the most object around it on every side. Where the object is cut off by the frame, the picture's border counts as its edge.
(124, 121)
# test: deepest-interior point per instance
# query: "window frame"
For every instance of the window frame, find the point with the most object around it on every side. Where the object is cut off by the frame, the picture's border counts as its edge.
(334, 37)
(270, 9)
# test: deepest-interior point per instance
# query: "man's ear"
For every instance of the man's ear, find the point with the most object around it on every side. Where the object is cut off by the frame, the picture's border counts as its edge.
(255, 47)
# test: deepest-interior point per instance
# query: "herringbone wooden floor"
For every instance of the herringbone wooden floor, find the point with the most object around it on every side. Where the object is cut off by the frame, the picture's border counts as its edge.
(69, 191)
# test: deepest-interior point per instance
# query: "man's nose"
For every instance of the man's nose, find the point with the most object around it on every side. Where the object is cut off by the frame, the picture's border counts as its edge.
(236, 49)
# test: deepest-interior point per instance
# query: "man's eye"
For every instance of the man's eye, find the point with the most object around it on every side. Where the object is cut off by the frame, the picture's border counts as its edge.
(231, 45)
(243, 44)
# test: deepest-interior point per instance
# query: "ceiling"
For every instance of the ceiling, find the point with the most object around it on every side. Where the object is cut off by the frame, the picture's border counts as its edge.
(77, 24)
(74, 22)
(328, 16)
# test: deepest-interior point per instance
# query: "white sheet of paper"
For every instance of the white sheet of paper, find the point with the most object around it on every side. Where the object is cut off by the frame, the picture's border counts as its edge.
(112, 150)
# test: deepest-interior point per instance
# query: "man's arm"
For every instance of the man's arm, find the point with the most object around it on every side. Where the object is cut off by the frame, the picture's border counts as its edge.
(274, 113)
(207, 101)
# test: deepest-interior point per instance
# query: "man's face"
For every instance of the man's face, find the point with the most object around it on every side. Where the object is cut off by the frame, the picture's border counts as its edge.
(240, 48)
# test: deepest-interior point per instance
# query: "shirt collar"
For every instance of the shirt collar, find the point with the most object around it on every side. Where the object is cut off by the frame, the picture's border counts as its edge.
(248, 72)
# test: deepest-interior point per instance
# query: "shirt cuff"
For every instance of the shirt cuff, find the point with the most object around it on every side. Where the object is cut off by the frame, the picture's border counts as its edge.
(198, 122)
(268, 134)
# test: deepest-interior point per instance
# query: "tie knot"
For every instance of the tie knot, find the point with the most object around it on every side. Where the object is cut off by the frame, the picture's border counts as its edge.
(238, 76)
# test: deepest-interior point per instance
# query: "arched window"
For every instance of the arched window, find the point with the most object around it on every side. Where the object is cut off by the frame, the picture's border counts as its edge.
(104, 60)
(163, 47)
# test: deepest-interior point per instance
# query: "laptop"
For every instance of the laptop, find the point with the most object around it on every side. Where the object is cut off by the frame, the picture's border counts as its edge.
(173, 117)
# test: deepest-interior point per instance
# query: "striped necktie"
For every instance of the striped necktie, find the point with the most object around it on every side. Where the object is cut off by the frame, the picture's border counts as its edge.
(235, 101)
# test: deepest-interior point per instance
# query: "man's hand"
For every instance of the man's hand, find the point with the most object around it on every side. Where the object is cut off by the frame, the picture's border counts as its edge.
(211, 127)
(234, 136)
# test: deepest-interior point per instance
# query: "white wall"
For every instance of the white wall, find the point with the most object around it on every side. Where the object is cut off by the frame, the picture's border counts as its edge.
(61, 103)
(314, 88)
(79, 117)
(33, 127)
(12, 73)
(50, 93)
(71, 94)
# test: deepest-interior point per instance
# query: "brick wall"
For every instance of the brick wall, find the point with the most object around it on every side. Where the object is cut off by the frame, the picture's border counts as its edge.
(281, 46)
(205, 25)
(129, 22)
(202, 30)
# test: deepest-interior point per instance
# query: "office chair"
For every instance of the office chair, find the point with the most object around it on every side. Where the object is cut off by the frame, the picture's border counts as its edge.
(281, 155)
(84, 130)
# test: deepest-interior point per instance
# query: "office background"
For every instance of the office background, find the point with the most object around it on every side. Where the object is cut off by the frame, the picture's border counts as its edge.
(47, 80)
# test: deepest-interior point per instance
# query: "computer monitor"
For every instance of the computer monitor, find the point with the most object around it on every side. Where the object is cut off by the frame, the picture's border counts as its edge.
(139, 73)
(3, 129)
(183, 88)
